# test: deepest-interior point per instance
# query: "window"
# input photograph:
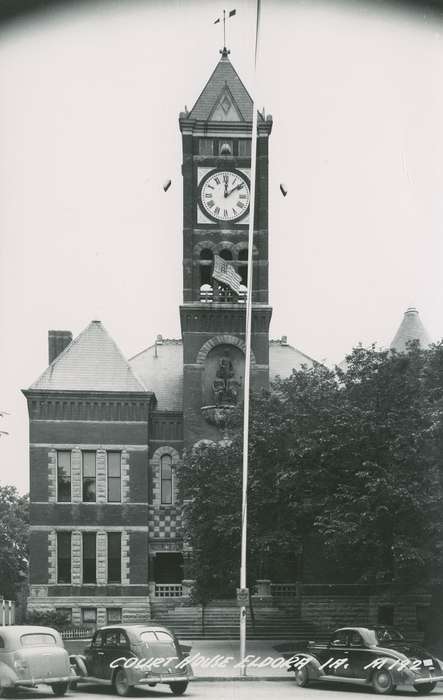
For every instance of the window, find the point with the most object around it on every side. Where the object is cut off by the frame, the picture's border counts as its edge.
(66, 613)
(63, 557)
(114, 557)
(114, 477)
(206, 258)
(225, 147)
(89, 617)
(385, 615)
(89, 477)
(340, 639)
(355, 640)
(116, 638)
(244, 147)
(225, 254)
(97, 642)
(113, 616)
(37, 640)
(63, 476)
(206, 147)
(166, 479)
(89, 558)
(243, 266)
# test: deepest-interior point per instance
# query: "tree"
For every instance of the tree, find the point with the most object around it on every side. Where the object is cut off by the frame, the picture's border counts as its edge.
(344, 475)
(14, 534)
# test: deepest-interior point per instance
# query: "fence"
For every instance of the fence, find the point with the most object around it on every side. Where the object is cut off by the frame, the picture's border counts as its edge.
(7, 612)
(77, 632)
(168, 590)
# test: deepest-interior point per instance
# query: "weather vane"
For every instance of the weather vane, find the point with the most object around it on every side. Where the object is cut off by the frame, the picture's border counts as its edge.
(230, 14)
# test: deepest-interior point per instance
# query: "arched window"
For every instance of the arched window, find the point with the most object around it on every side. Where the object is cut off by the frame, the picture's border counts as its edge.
(166, 479)
(206, 258)
(243, 266)
(226, 254)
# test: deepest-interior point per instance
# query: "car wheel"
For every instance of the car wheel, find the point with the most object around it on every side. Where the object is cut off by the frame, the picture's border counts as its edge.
(121, 683)
(79, 666)
(382, 682)
(302, 676)
(425, 688)
(179, 687)
(59, 689)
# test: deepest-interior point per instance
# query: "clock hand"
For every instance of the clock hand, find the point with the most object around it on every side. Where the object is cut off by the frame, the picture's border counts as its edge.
(237, 187)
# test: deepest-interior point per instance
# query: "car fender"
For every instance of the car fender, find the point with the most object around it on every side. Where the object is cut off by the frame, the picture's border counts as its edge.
(8, 676)
(79, 661)
(399, 677)
(309, 661)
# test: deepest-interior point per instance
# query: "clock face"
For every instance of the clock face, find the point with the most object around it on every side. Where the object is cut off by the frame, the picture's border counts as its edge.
(224, 195)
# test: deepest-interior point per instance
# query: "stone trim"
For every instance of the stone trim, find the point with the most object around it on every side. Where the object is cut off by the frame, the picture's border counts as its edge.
(101, 476)
(102, 557)
(224, 245)
(125, 476)
(125, 558)
(76, 475)
(203, 245)
(90, 528)
(76, 558)
(222, 340)
(54, 446)
(52, 557)
(243, 245)
(52, 475)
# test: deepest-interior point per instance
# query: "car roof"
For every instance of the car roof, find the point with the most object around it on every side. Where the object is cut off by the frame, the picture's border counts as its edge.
(136, 627)
(27, 629)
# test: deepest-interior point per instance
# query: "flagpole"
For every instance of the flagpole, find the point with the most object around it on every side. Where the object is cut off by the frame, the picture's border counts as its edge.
(248, 355)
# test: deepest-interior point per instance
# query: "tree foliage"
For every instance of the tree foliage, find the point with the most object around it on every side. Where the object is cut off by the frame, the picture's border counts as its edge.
(14, 534)
(344, 468)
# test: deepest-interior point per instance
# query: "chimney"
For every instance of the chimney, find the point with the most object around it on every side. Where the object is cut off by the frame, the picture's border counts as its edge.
(57, 342)
(284, 340)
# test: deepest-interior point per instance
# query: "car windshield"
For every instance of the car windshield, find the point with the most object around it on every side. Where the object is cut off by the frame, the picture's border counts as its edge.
(37, 640)
(388, 634)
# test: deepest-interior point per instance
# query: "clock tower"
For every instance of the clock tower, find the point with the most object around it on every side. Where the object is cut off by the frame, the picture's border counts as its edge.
(216, 170)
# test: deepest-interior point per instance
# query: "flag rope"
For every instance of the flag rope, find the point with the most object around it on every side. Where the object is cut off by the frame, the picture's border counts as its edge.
(248, 353)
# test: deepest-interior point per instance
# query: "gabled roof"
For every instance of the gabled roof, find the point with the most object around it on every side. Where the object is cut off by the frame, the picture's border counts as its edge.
(223, 86)
(283, 358)
(411, 328)
(91, 362)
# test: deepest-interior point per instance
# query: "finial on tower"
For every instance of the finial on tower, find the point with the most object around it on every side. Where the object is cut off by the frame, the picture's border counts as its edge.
(224, 51)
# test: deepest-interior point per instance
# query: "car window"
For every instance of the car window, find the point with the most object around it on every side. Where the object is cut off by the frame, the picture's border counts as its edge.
(37, 640)
(356, 640)
(388, 634)
(148, 637)
(164, 637)
(98, 640)
(339, 639)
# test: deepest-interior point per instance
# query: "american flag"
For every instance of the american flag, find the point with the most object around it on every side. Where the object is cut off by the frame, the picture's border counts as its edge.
(224, 272)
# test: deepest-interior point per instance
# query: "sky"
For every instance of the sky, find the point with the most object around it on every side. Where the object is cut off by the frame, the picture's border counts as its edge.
(89, 133)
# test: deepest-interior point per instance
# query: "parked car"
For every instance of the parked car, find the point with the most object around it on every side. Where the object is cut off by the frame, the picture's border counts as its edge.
(378, 656)
(31, 655)
(129, 655)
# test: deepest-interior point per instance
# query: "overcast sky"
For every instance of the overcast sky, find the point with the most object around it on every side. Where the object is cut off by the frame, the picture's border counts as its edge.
(89, 132)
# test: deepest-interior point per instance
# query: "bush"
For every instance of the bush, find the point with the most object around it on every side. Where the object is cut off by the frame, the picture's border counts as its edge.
(47, 618)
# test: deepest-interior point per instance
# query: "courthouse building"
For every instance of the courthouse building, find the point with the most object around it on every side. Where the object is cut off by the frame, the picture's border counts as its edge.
(107, 433)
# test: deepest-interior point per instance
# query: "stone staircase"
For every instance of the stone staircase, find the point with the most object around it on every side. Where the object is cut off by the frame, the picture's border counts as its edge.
(220, 620)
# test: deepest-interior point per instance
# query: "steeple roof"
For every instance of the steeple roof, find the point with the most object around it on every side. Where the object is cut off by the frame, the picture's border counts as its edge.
(224, 97)
(91, 362)
(411, 328)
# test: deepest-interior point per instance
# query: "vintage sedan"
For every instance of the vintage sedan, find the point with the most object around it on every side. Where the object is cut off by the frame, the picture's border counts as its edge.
(31, 655)
(130, 655)
(378, 656)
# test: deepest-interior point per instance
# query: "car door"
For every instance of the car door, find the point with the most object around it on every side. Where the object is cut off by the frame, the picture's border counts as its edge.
(116, 646)
(359, 655)
(337, 655)
(94, 655)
